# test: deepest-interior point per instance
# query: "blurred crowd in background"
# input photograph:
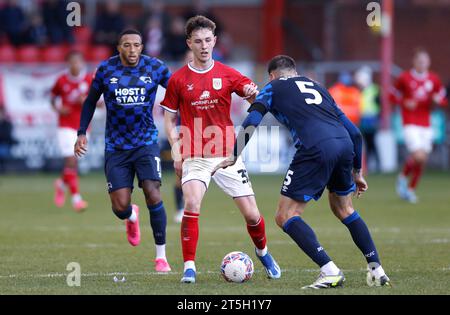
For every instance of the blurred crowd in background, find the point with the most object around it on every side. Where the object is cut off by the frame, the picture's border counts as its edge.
(36, 31)
(25, 25)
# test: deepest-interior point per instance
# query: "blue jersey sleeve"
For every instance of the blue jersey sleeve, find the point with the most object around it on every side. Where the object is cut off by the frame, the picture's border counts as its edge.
(259, 108)
(97, 83)
(265, 97)
(355, 135)
(163, 74)
(91, 100)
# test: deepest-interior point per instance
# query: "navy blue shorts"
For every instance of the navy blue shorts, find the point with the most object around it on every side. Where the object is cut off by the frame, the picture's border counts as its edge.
(122, 166)
(328, 164)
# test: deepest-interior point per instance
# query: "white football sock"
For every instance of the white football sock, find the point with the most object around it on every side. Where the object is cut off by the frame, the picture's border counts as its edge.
(76, 198)
(133, 216)
(161, 251)
(261, 252)
(190, 264)
(330, 269)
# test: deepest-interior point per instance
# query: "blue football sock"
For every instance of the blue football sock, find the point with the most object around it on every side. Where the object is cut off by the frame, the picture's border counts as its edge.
(305, 238)
(158, 221)
(361, 236)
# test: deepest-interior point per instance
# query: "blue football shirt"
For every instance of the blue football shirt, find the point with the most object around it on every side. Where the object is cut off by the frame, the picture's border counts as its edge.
(129, 94)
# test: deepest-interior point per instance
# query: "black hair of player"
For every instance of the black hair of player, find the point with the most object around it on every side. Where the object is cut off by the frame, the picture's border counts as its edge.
(198, 22)
(281, 62)
(129, 31)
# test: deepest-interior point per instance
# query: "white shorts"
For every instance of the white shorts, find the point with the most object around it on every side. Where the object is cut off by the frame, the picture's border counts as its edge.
(233, 180)
(66, 141)
(418, 138)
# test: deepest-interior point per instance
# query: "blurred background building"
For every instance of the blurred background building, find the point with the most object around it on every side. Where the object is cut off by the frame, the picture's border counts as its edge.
(329, 39)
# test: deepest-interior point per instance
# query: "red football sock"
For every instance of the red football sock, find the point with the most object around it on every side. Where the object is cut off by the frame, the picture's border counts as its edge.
(417, 174)
(189, 235)
(70, 178)
(410, 165)
(258, 233)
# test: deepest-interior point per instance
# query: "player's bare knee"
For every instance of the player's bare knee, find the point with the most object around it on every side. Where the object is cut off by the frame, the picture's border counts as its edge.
(192, 204)
(152, 196)
(342, 212)
(252, 217)
(283, 215)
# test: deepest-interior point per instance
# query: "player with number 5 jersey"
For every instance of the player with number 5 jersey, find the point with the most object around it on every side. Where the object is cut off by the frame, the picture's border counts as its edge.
(201, 92)
(328, 156)
(129, 83)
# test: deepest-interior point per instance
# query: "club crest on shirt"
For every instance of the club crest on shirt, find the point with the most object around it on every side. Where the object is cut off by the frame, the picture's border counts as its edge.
(145, 79)
(217, 83)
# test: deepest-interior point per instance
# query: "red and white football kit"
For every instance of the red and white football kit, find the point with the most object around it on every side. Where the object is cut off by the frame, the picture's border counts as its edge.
(72, 91)
(203, 100)
(421, 89)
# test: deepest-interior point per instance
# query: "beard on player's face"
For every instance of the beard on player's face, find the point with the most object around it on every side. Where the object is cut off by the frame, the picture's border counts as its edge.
(130, 49)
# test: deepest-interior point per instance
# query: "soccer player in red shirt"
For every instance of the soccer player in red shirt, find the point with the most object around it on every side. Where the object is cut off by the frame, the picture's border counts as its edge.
(417, 91)
(67, 96)
(201, 93)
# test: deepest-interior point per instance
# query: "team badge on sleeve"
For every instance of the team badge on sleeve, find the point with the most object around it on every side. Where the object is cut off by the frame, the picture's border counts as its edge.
(217, 83)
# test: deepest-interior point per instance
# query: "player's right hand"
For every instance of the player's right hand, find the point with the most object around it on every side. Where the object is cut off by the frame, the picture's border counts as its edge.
(361, 184)
(80, 148)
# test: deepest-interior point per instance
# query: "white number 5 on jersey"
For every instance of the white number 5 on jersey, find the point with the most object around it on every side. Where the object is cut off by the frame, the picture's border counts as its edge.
(302, 87)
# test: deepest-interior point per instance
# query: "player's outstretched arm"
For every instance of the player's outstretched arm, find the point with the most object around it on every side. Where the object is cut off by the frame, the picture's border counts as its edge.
(248, 127)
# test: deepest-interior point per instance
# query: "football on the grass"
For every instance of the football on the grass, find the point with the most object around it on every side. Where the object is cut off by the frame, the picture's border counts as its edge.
(237, 267)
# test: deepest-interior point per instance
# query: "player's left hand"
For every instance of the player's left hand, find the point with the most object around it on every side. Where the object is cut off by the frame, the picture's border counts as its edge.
(229, 161)
(361, 184)
(250, 92)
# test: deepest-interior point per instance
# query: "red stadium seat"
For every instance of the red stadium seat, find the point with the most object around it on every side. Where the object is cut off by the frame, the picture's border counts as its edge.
(7, 53)
(99, 53)
(82, 35)
(28, 53)
(56, 53)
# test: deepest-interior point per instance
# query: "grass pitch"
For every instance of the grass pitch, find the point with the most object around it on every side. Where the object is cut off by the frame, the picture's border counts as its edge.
(38, 240)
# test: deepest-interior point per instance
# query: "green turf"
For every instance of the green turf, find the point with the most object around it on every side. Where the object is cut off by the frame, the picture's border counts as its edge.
(37, 241)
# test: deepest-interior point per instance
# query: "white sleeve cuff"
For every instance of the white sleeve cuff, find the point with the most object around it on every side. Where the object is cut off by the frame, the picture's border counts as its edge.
(168, 109)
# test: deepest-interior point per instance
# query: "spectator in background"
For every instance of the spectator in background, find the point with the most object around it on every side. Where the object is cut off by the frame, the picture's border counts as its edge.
(37, 32)
(154, 37)
(347, 97)
(223, 48)
(13, 22)
(370, 112)
(108, 25)
(155, 9)
(6, 138)
(175, 44)
(55, 15)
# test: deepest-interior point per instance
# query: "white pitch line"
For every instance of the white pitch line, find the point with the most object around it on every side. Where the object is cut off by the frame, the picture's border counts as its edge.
(109, 274)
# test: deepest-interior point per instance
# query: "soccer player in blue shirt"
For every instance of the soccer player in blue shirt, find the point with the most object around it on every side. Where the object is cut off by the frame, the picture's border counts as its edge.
(129, 82)
(328, 155)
